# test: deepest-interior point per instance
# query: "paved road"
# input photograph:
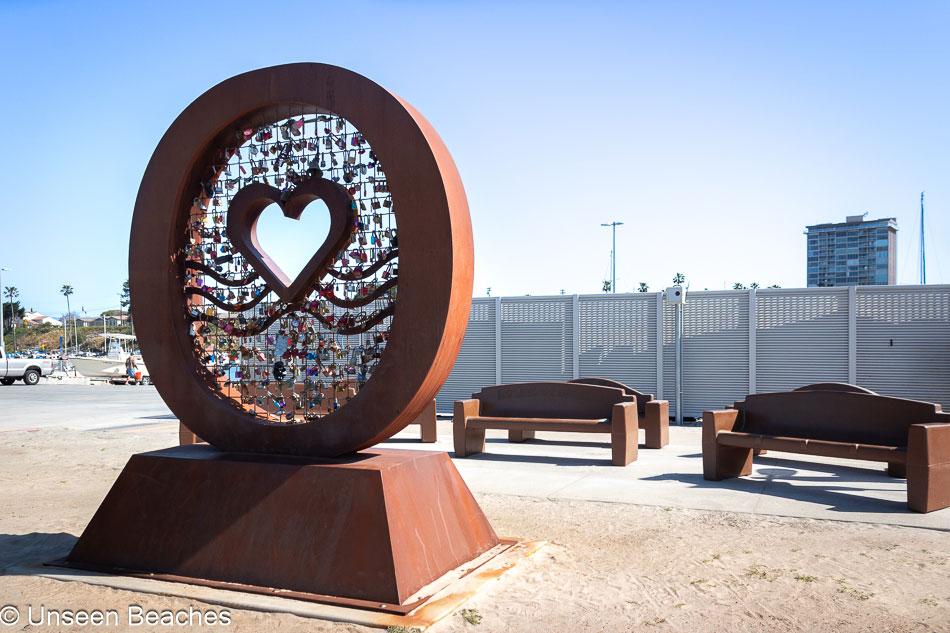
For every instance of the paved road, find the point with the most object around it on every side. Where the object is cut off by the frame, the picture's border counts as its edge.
(79, 406)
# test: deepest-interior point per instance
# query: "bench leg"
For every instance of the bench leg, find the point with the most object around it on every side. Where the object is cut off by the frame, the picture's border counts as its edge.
(656, 424)
(467, 441)
(520, 436)
(928, 467)
(185, 436)
(624, 435)
(723, 462)
(427, 423)
(898, 470)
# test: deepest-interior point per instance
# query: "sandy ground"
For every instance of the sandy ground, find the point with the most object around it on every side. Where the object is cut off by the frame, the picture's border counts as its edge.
(608, 567)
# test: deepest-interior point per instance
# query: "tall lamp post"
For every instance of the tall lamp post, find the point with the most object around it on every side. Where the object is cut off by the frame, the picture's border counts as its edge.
(1, 309)
(613, 255)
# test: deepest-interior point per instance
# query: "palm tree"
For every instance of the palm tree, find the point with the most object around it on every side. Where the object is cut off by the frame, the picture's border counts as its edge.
(643, 287)
(679, 279)
(67, 290)
(12, 293)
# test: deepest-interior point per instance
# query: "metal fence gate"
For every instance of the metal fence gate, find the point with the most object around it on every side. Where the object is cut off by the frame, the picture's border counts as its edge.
(894, 340)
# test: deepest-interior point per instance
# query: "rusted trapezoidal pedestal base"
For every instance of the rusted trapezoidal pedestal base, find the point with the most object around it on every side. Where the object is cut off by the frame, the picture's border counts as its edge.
(369, 530)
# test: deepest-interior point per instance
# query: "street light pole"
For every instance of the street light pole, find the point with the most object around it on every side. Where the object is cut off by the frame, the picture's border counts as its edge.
(1, 309)
(613, 256)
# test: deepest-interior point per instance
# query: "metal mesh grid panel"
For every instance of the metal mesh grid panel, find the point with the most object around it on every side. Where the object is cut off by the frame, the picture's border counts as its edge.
(618, 339)
(537, 339)
(801, 338)
(475, 366)
(903, 342)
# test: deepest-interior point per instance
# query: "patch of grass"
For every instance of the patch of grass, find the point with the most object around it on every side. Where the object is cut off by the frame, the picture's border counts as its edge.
(796, 549)
(928, 601)
(655, 621)
(472, 616)
(762, 572)
(679, 606)
(891, 548)
(855, 593)
(403, 629)
(804, 578)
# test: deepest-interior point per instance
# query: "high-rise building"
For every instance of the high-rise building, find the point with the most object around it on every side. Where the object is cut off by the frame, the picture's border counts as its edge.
(853, 253)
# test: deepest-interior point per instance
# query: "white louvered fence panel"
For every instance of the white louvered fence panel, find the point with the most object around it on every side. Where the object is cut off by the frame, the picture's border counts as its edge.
(537, 339)
(618, 339)
(715, 351)
(903, 342)
(801, 338)
(475, 366)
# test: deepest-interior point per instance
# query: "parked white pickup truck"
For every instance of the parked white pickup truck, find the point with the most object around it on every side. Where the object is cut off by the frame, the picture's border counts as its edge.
(28, 370)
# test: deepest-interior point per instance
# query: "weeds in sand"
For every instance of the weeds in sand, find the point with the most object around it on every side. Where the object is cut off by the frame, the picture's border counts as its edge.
(891, 548)
(804, 578)
(796, 549)
(928, 601)
(403, 629)
(655, 621)
(854, 593)
(699, 583)
(472, 616)
(762, 572)
(679, 605)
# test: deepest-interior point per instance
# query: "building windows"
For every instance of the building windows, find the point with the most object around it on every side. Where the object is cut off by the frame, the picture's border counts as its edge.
(850, 253)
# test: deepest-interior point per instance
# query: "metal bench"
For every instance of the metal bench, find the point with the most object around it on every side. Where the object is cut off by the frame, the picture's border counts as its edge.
(523, 408)
(836, 420)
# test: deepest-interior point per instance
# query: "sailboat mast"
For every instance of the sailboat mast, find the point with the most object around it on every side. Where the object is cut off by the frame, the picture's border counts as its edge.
(923, 253)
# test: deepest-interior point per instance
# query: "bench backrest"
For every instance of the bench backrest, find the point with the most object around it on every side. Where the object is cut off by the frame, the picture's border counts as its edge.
(835, 413)
(550, 400)
(642, 398)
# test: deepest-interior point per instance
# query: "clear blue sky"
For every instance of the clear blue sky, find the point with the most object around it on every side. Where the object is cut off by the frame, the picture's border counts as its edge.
(716, 131)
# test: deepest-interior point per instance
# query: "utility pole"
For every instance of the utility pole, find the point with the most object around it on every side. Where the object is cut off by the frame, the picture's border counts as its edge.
(1, 306)
(923, 253)
(613, 255)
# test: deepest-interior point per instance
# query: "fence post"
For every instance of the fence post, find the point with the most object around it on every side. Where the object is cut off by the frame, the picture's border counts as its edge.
(852, 335)
(576, 336)
(752, 313)
(659, 345)
(497, 340)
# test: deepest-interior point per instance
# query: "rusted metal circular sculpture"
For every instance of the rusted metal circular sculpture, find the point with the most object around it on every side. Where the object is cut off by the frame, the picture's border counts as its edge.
(334, 360)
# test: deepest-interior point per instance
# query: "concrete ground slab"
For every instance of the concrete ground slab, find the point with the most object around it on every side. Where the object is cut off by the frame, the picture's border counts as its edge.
(577, 467)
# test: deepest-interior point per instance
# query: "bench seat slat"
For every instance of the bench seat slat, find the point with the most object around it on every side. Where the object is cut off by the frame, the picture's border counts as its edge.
(541, 424)
(869, 452)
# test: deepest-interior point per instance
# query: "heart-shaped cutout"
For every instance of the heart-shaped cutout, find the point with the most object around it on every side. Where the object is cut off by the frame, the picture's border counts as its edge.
(245, 211)
(289, 243)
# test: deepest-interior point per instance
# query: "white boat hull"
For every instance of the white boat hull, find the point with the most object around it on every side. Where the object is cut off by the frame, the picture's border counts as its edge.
(92, 367)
